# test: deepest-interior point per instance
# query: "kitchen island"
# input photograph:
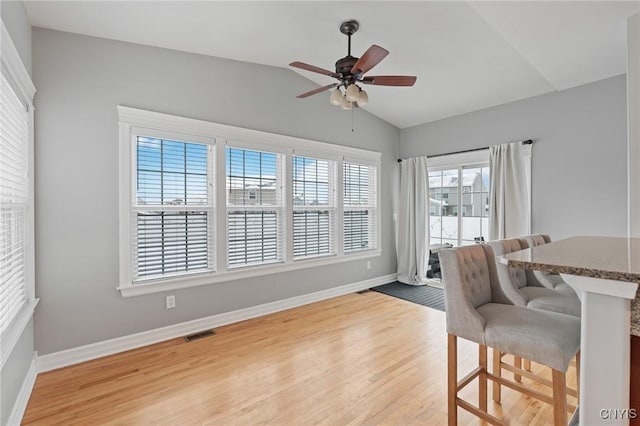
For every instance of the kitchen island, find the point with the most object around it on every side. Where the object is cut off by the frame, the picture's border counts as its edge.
(604, 272)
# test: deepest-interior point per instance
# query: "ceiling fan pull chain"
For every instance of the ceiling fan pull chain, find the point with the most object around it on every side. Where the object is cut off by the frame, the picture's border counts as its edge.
(352, 120)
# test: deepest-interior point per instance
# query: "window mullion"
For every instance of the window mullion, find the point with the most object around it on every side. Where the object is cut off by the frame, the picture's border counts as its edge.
(288, 208)
(221, 218)
(339, 197)
(212, 230)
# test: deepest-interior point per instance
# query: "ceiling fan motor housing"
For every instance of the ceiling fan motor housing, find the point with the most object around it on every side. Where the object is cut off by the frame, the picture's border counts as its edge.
(344, 67)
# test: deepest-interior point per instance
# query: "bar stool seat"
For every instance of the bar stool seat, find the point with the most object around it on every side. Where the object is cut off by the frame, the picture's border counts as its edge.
(552, 300)
(547, 338)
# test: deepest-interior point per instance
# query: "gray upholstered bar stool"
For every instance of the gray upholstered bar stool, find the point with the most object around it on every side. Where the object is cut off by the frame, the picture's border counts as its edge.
(522, 289)
(477, 310)
(545, 279)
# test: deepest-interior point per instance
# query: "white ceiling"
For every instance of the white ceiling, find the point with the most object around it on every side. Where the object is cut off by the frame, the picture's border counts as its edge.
(467, 55)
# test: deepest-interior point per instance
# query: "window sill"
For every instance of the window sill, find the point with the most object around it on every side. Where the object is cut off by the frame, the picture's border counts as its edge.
(12, 334)
(237, 274)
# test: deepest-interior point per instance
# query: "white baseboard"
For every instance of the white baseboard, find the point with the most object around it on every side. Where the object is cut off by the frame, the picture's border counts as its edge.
(80, 354)
(15, 417)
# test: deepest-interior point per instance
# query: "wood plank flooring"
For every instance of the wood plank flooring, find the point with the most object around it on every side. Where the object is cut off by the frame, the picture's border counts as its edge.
(357, 359)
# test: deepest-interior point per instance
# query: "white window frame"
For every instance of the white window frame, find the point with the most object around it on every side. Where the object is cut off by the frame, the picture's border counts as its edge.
(136, 132)
(332, 207)
(223, 135)
(375, 207)
(278, 207)
(16, 74)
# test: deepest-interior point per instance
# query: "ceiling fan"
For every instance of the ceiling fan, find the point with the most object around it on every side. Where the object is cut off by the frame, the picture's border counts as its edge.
(350, 72)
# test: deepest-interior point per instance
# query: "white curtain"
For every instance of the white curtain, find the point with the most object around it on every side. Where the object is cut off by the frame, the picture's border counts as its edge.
(509, 198)
(413, 222)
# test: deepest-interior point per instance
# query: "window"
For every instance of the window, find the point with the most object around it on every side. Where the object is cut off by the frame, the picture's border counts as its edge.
(17, 293)
(360, 207)
(254, 226)
(14, 200)
(313, 207)
(203, 202)
(173, 208)
(458, 205)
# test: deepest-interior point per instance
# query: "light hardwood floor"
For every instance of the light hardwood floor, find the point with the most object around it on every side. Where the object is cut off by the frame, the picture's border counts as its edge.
(356, 359)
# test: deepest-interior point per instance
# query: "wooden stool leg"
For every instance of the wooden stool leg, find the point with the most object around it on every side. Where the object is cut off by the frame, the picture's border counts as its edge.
(497, 371)
(578, 374)
(482, 378)
(559, 398)
(452, 379)
(526, 364)
(517, 362)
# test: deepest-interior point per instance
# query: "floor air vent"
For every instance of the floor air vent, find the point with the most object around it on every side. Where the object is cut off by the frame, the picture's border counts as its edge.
(201, 335)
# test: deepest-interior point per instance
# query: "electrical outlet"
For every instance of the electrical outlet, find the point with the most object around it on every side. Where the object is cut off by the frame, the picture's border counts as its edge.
(171, 301)
(368, 264)
(395, 216)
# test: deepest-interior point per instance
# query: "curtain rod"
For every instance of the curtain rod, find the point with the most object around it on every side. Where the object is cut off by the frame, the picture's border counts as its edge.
(527, 142)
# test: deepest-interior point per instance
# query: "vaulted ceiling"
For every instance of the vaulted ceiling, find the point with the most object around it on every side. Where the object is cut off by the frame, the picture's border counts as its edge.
(467, 55)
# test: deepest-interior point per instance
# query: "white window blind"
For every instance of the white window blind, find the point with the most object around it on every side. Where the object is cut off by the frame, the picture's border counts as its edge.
(314, 207)
(173, 223)
(360, 207)
(255, 206)
(14, 197)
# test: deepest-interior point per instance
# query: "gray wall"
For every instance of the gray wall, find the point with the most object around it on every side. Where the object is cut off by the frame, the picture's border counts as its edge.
(579, 172)
(16, 20)
(80, 81)
(14, 370)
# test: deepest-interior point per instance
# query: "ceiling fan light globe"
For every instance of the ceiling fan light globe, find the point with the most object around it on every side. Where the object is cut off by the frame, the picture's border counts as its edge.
(352, 93)
(363, 98)
(336, 97)
(347, 105)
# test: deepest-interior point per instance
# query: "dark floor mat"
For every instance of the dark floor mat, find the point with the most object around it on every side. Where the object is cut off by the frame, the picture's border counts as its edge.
(423, 295)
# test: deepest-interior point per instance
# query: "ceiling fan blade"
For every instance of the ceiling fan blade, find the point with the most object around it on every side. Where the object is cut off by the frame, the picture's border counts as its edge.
(318, 90)
(390, 80)
(313, 68)
(369, 59)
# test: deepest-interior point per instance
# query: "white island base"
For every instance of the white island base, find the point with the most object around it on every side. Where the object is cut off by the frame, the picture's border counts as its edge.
(604, 349)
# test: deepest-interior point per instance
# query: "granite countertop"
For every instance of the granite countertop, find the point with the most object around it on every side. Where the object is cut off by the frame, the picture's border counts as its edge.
(598, 257)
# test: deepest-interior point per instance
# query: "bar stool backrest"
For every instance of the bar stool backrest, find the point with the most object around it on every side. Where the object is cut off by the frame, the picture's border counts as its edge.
(470, 280)
(540, 278)
(517, 276)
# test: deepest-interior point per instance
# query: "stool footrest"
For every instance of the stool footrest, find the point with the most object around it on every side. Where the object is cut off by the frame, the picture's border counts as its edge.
(482, 414)
(468, 378)
(534, 377)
